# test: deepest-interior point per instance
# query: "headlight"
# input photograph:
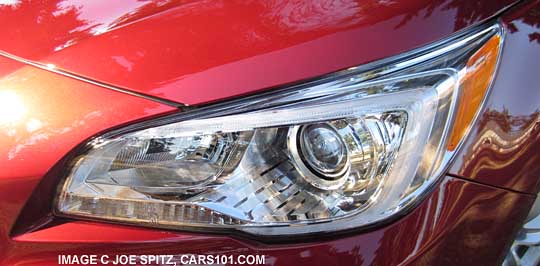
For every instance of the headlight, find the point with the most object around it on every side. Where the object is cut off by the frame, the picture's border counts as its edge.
(339, 153)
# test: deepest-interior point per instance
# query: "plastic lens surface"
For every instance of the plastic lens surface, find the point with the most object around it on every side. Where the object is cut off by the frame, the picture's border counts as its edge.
(341, 154)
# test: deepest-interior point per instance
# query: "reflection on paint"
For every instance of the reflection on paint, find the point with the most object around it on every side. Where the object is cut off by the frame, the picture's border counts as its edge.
(12, 108)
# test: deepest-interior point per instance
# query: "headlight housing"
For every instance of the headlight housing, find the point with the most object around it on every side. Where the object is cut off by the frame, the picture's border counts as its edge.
(339, 153)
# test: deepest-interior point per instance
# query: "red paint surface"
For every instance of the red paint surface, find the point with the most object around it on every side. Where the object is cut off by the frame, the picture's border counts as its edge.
(209, 51)
(196, 52)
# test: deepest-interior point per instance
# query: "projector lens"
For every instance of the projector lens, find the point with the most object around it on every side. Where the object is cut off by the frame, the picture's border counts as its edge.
(323, 150)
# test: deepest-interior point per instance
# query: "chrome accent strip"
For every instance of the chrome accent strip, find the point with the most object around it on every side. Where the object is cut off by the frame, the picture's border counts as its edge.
(52, 68)
(304, 89)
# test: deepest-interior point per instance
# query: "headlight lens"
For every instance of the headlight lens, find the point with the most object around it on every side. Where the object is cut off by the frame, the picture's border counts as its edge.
(346, 152)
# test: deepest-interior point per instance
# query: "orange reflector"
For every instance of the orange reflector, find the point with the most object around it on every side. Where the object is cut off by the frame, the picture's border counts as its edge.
(474, 85)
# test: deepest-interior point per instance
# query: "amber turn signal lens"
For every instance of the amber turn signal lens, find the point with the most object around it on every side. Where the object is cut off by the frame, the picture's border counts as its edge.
(479, 74)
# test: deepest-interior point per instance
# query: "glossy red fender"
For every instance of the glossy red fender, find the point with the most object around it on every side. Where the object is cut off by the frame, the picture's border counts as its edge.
(460, 223)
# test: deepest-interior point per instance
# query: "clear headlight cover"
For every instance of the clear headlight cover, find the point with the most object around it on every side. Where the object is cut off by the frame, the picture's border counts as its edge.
(339, 153)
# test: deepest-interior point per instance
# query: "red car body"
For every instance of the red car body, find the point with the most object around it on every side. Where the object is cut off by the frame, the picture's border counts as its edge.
(82, 68)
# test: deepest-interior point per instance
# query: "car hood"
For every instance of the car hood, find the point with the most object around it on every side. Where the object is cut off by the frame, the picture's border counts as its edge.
(196, 52)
